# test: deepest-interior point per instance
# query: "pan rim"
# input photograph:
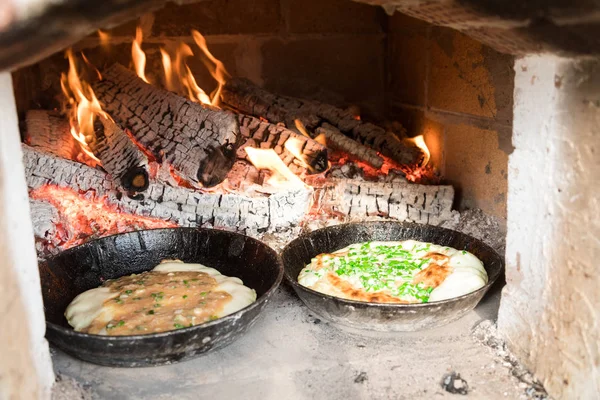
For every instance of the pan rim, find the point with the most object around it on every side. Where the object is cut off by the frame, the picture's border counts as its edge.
(236, 315)
(296, 285)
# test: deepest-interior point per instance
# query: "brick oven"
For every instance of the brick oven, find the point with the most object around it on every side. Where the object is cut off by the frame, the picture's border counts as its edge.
(471, 115)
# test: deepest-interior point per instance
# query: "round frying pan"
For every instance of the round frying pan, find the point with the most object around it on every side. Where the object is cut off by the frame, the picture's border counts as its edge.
(76, 270)
(379, 316)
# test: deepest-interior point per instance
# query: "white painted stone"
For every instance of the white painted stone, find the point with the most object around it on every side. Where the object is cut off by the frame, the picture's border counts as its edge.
(550, 309)
(25, 366)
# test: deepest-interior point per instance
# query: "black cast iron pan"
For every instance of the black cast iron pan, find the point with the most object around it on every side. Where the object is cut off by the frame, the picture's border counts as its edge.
(385, 317)
(85, 267)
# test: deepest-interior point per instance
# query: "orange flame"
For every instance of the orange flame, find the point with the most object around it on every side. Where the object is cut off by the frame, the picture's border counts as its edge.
(269, 160)
(301, 128)
(104, 39)
(321, 139)
(179, 77)
(138, 56)
(84, 106)
(419, 141)
(294, 146)
(168, 69)
(215, 67)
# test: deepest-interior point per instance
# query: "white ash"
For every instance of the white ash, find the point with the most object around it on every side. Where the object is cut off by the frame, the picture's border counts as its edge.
(487, 334)
(482, 226)
(67, 388)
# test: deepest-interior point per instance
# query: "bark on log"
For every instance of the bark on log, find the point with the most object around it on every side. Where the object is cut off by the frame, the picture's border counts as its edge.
(185, 207)
(243, 95)
(357, 200)
(262, 134)
(120, 157)
(338, 140)
(49, 131)
(200, 143)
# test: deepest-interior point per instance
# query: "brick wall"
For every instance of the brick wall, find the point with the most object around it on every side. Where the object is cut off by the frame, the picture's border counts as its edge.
(458, 93)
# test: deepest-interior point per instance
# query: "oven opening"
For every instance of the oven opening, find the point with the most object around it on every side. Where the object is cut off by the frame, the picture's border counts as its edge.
(277, 118)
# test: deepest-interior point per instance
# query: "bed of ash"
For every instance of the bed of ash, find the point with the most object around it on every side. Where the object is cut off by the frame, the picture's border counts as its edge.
(291, 352)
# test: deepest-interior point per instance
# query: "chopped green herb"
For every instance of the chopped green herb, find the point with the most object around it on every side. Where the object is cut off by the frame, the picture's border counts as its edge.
(463, 252)
(203, 294)
(185, 282)
(128, 291)
(213, 317)
(156, 305)
(151, 312)
(137, 298)
(178, 326)
(185, 296)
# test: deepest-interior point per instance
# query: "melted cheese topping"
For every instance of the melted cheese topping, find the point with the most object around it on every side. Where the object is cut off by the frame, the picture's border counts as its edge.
(395, 272)
(173, 295)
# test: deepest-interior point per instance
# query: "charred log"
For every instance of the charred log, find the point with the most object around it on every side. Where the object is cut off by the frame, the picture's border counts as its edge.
(198, 142)
(262, 134)
(243, 95)
(49, 131)
(120, 157)
(355, 200)
(185, 207)
(338, 140)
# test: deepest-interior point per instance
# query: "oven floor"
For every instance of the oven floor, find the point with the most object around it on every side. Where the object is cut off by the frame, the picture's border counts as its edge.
(291, 354)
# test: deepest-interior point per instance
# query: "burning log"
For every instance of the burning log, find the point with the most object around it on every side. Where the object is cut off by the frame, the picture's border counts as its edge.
(355, 200)
(243, 95)
(49, 131)
(198, 142)
(120, 157)
(262, 134)
(182, 206)
(337, 139)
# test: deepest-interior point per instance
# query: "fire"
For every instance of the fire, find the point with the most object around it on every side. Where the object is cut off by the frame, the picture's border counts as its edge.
(84, 106)
(168, 68)
(179, 77)
(321, 139)
(419, 141)
(301, 128)
(84, 218)
(138, 56)
(294, 146)
(104, 39)
(269, 160)
(215, 67)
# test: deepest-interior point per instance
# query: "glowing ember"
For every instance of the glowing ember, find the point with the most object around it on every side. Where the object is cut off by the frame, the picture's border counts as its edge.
(419, 141)
(215, 67)
(84, 107)
(138, 56)
(86, 218)
(269, 160)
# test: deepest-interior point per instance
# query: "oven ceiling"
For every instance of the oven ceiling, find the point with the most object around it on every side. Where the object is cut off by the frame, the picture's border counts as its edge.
(31, 30)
